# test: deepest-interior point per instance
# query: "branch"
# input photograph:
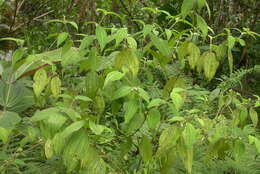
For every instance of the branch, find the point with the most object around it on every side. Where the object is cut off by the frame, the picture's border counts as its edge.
(28, 22)
(129, 13)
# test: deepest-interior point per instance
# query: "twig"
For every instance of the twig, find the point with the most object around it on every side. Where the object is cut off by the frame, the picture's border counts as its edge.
(28, 22)
(129, 13)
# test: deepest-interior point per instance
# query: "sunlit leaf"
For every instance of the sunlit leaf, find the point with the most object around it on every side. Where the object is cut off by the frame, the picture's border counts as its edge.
(56, 86)
(113, 76)
(61, 38)
(210, 64)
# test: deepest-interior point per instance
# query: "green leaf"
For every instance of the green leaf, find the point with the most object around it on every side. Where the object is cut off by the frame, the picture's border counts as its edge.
(4, 134)
(210, 64)
(189, 135)
(194, 54)
(142, 93)
(186, 7)
(18, 41)
(221, 51)
(131, 108)
(176, 119)
(201, 4)
(45, 114)
(177, 99)
(214, 94)
(155, 102)
(48, 148)
(254, 116)
(17, 55)
(131, 42)
(122, 92)
(73, 24)
(257, 144)
(120, 35)
(61, 38)
(168, 34)
(243, 114)
(113, 76)
(93, 82)
(74, 127)
(241, 41)
(40, 81)
(147, 30)
(251, 139)
(230, 60)
(168, 139)
(15, 96)
(96, 129)
(83, 98)
(182, 52)
(56, 86)
(231, 42)
(202, 25)
(102, 37)
(239, 149)
(146, 149)
(161, 45)
(71, 113)
(135, 123)
(9, 120)
(86, 42)
(1, 69)
(127, 58)
(153, 118)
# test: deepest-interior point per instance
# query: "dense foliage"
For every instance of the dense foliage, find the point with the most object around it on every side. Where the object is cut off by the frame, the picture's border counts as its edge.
(118, 87)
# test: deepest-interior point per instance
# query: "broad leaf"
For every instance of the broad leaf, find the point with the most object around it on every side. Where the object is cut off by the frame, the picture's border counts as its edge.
(194, 53)
(113, 76)
(40, 81)
(186, 7)
(122, 92)
(176, 97)
(61, 38)
(189, 135)
(146, 149)
(131, 108)
(153, 118)
(155, 103)
(202, 25)
(102, 38)
(15, 97)
(254, 116)
(56, 86)
(127, 58)
(210, 64)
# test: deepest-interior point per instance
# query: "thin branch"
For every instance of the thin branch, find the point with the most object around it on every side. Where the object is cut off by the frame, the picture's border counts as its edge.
(28, 22)
(129, 13)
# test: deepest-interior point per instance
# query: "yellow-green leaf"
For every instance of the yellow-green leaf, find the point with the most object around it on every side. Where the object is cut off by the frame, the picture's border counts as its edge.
(40, 81)
(48, 147)
(127, 58)
(194, 54)
(210, 64)
(253, 116)
(56, 86)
